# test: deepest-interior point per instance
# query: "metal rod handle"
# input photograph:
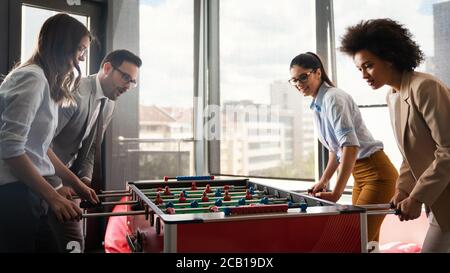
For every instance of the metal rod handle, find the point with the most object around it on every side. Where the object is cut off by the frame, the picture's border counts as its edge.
(375, 206)
(379, 212)
(376, 209)
(119, 203)
(86, 204)
(109, 214)
(114, 191)
(107, 195)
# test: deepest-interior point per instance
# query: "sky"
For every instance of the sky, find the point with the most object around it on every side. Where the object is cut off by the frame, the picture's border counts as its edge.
(258, 40)
(416, 15)
(166, 49)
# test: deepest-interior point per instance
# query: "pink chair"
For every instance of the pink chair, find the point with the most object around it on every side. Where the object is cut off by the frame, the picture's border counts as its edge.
(403, 237)
(116, 230)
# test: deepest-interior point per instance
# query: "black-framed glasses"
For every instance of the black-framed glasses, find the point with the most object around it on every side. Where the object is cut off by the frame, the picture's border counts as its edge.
(302, 78)
(83, 50)
(126, 77)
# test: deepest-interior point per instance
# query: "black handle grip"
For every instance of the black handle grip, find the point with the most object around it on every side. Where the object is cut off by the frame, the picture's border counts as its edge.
(397, 211)
(84, 204)
(321, 190)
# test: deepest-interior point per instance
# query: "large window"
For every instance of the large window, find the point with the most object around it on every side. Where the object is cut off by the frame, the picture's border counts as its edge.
(32, 20)
(267, 127)
(166, 90)
(429, 23)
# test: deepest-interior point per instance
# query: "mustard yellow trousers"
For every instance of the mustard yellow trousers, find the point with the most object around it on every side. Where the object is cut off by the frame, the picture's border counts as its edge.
(375, 178)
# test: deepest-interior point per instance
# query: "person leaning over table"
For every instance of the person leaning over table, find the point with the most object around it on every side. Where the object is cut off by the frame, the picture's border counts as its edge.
(419, 105)
(30, 173)
(350, 144)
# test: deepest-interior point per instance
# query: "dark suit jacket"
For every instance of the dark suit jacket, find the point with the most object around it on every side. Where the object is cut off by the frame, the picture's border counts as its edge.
(72, 127)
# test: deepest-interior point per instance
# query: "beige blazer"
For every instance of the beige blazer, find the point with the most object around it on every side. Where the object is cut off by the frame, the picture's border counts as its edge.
(425, 143)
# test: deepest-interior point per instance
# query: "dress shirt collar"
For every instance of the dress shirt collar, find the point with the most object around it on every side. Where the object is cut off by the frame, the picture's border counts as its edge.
(99, 94)
(316, 104)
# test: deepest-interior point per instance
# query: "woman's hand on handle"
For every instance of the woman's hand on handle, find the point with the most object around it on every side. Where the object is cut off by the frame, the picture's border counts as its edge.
(318, 187)
(398, 197)
(86, 193)
(64, 209)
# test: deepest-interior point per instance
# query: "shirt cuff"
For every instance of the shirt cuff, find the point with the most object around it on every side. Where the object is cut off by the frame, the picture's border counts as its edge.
(348, 138)
(54, 181)
(86, 178)
(12, 148)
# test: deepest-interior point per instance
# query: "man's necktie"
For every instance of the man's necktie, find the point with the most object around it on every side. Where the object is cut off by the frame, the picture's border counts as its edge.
(97, 176)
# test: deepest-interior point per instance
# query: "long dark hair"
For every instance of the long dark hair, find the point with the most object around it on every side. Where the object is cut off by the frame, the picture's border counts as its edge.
(59, 39)
(311, 60)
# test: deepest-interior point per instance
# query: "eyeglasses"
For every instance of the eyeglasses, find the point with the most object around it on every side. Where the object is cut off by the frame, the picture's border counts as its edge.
(126, 78)
(83, 50)
(302, 78)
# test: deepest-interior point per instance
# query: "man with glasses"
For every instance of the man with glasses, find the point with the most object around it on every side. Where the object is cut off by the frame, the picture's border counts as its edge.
(81, 128)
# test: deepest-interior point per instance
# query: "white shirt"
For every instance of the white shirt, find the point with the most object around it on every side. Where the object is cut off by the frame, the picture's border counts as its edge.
(339, 123)
(94, 104)
(394, 111)
(28, 120)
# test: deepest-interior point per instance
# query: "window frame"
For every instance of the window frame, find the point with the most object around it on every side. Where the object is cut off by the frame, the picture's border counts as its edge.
(95, 10)
(325, 47)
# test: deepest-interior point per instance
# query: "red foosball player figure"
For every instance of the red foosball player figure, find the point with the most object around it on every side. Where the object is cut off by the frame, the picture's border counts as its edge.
(205, 197)
(213, 209)
(248, 195)
(182, 199)
(227, 196)
(194, 186)
(158, 199)
(167, 191)
(170, 211)
(226, 187)
(208, 188)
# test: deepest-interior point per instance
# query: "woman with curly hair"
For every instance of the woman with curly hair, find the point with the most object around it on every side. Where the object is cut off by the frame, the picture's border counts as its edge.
(350, 144)
(419, 105)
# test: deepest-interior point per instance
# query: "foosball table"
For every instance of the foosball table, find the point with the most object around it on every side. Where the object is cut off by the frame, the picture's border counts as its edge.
(200, 214)
(203, 214)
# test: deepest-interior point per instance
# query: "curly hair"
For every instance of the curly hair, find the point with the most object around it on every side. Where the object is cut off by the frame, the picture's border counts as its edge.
(386, 39)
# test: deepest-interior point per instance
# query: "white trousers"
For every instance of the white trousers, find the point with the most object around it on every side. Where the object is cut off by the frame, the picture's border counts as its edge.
(436, 241)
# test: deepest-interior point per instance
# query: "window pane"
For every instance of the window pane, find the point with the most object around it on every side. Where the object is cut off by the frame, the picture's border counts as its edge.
(267, 127)
(166, 89)
(379, 124)
(32, 21)
(418, 16)
(429, 23)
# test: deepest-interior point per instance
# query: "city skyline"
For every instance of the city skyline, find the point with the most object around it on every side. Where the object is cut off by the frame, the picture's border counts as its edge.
(254, 63)
(261, 50)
